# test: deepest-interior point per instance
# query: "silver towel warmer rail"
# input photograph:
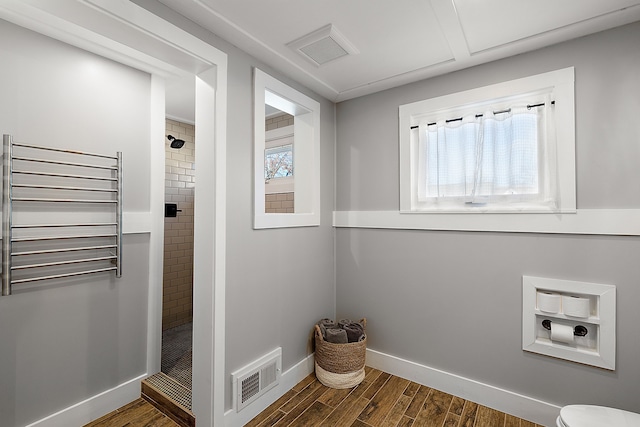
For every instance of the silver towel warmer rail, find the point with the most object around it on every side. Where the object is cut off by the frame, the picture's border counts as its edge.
(27, 243)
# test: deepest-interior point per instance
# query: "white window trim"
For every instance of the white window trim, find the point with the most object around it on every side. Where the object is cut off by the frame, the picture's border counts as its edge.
(268, 90)
(561, 85)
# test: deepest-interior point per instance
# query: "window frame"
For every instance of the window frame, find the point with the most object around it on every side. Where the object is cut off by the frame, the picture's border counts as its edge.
(278, 138)
(559, 84)
(306, 111)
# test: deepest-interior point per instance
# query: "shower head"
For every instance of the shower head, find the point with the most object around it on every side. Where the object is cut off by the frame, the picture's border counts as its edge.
(175, 143)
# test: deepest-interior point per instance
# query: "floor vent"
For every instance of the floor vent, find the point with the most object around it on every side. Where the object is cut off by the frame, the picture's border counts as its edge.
(257, 378)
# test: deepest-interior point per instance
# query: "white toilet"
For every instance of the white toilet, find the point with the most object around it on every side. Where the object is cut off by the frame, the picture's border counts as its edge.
(596, 416)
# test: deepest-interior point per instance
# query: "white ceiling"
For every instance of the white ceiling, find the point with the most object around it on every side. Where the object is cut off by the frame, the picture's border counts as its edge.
(399, 41)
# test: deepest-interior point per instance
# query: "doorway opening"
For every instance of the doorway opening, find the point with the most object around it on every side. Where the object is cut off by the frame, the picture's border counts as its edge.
(177, 283)
(171, 389)
(199, 99)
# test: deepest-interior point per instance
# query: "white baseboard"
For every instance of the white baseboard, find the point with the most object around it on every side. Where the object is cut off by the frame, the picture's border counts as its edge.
(521, 406)
(525, 407)
(93, 408)
(288, 380)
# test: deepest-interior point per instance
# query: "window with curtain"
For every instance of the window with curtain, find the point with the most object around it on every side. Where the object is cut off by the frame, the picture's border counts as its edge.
(491, 157)
(491, 154)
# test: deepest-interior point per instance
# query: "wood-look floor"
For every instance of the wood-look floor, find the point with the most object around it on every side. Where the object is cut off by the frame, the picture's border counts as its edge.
(381, 400)
(138, 413)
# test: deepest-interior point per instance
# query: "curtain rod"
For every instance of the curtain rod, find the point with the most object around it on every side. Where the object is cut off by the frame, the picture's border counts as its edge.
(495, 112)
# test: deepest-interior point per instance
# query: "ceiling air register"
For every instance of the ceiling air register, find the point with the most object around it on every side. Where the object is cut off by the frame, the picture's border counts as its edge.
(323, 46)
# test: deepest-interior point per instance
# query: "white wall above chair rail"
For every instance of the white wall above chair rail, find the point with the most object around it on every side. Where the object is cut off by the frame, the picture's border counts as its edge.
(136, 222)
(622, 222)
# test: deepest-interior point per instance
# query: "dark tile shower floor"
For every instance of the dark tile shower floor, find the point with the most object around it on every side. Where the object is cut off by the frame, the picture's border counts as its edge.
(177, 346)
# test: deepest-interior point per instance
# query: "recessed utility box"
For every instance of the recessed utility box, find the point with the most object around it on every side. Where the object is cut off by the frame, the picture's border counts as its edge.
(570, 320)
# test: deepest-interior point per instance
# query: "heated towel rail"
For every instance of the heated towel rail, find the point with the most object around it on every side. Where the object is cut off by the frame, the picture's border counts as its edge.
(85, 232)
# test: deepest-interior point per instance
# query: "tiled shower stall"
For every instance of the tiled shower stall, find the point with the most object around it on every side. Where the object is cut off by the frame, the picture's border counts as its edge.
(177, 303)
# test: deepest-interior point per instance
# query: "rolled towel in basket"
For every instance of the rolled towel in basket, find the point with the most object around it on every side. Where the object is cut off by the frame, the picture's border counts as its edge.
(354, 331)
(337, 336)
(343, 322)
(325, 324)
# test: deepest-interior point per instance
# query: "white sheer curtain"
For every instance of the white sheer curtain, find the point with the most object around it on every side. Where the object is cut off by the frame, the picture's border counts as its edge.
(502, 158)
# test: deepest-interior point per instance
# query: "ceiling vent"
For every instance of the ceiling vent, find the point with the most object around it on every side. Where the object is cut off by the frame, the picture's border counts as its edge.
(323, 46)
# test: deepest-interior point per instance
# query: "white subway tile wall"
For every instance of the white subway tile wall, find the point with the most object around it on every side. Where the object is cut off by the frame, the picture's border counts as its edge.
(177, 287)
(278, 203)
(278, 121)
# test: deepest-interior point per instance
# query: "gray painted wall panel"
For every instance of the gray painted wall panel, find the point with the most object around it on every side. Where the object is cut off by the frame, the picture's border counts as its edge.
(58, 95)
(452, 300)
(279, 281)
(606, 72)
(63, 342)
(66, 342)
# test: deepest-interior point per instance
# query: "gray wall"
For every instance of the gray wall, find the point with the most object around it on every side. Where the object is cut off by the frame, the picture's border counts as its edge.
(281, 281)
(452, 300)
(63, 342)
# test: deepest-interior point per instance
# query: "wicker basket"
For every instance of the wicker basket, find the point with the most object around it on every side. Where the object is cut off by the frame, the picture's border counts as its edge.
(340, 365)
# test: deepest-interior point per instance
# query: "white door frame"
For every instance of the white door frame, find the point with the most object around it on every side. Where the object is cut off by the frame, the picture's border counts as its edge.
(175, 53)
